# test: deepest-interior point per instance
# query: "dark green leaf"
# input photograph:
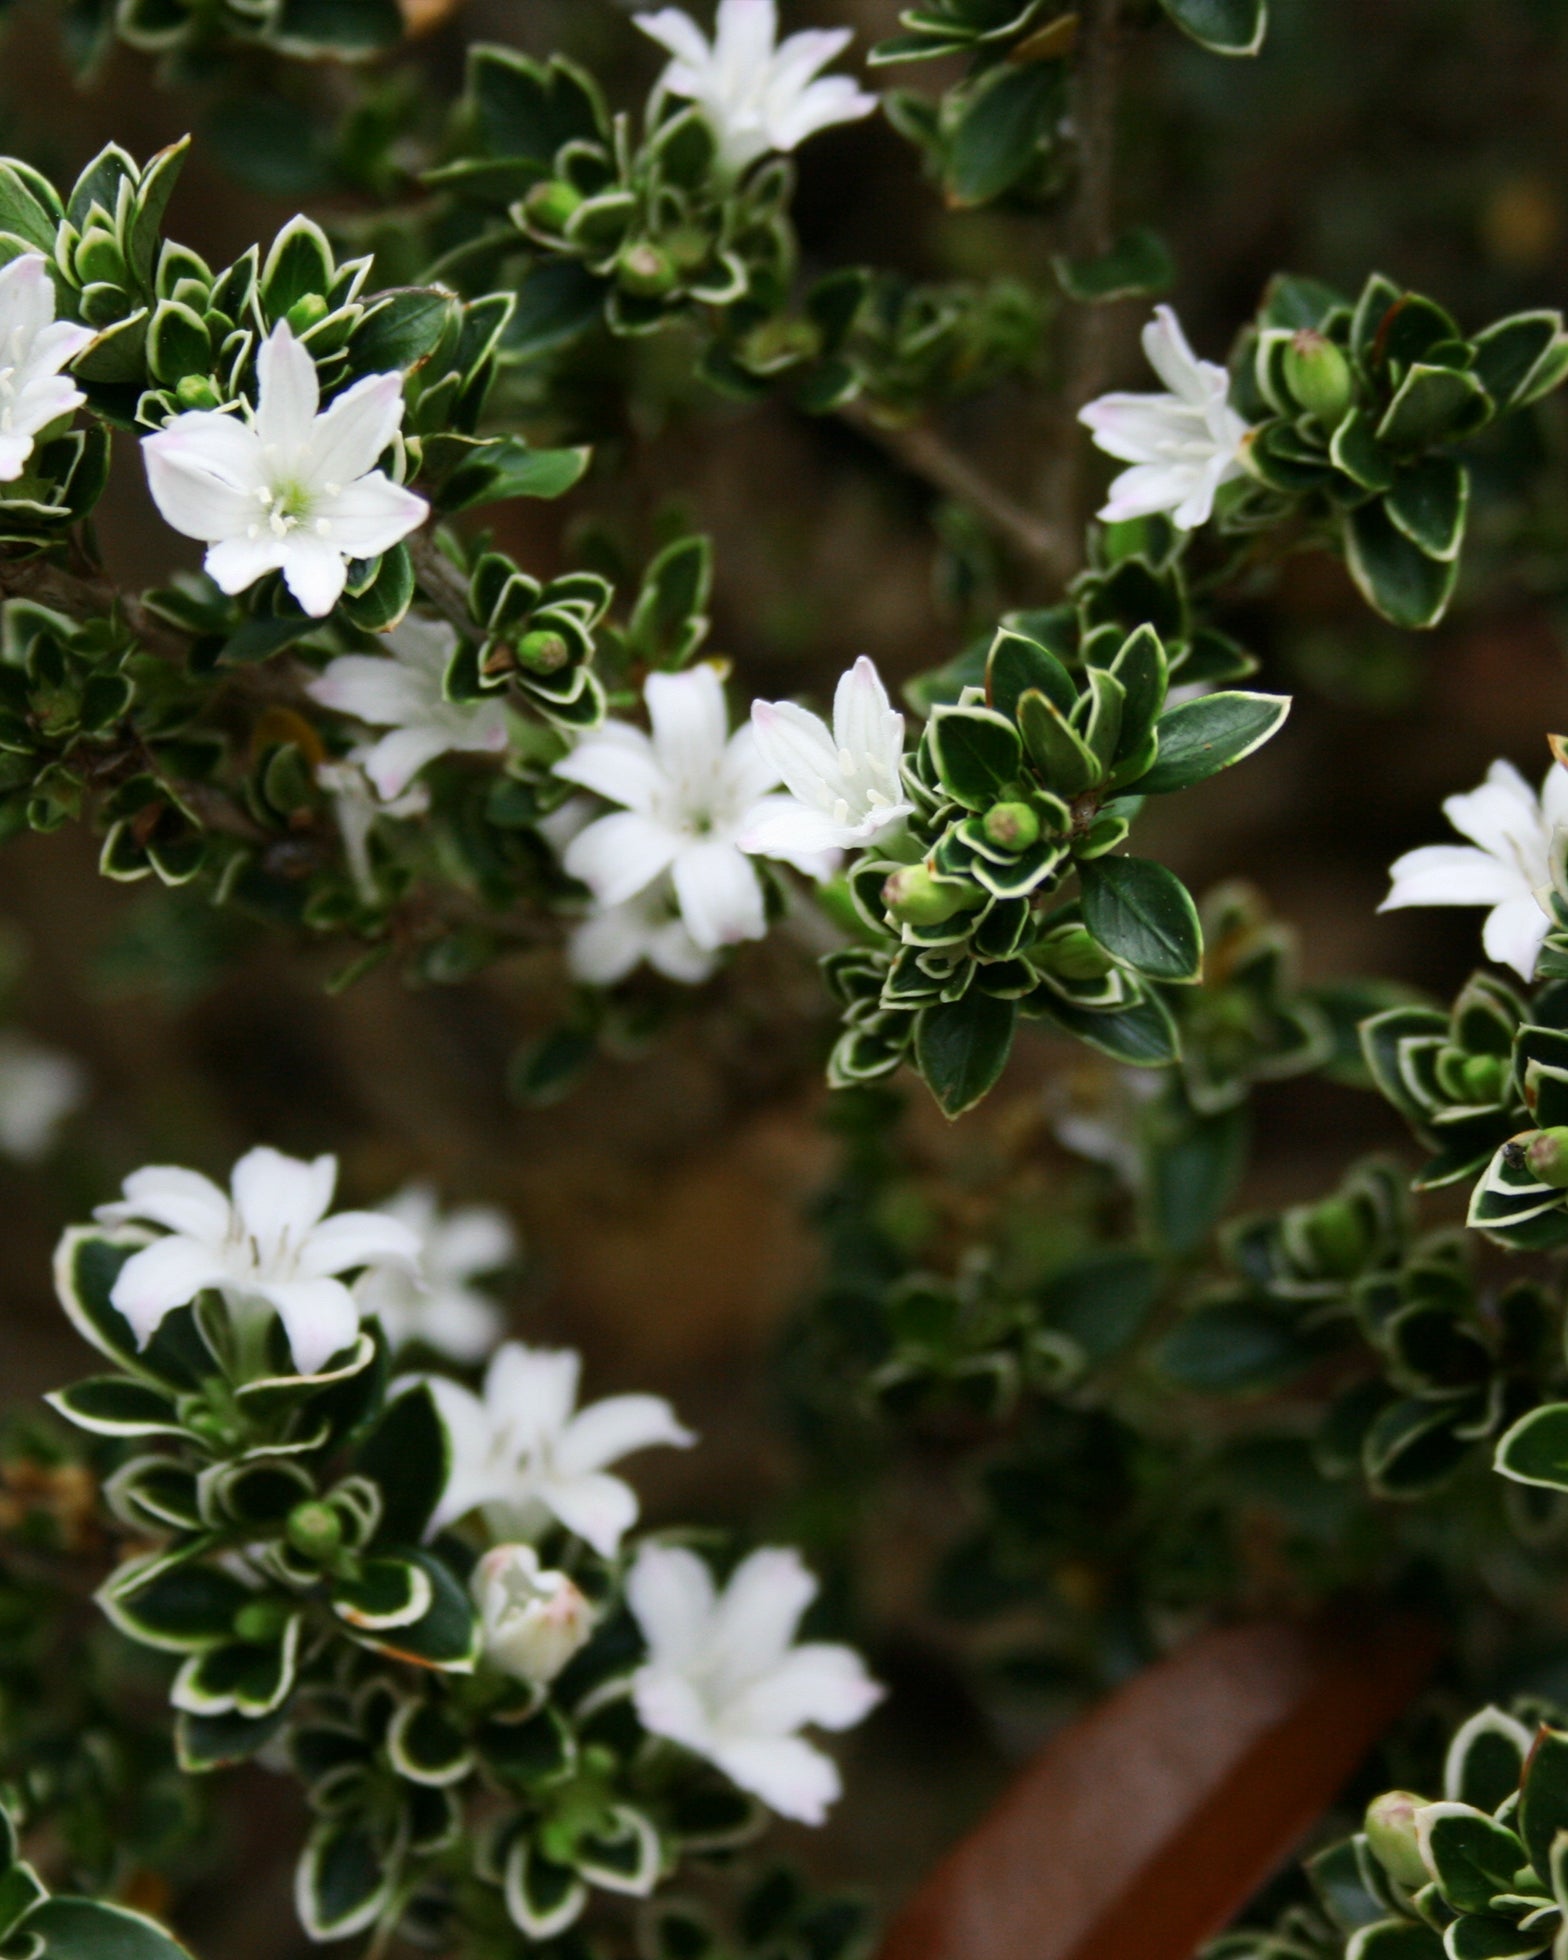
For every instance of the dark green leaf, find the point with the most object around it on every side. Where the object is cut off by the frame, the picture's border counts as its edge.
(1000, 131)
(961, 1048)
(1143, 915)
(1221, 26)
(1200, 738)
(1396, 579)
(1138, 265)
(977, 754)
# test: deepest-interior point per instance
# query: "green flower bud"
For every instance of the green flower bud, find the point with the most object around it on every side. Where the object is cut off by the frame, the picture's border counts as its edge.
(689, 247)
(1074, 954)
(549, 206)
(196, 391)
(543, 651)
(1338, 1235)
(1011, 826)
(98, 260)
(1482, 1076)
(646, 271)
(306, 311)
(262, 1620)
(314, 1530)
(1391, 1832)
(917, 897)
(1318, 375)
(1546, 1154)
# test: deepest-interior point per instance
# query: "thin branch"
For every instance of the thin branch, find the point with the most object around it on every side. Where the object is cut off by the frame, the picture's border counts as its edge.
(442, 583)
(87, 597)
(925, 454)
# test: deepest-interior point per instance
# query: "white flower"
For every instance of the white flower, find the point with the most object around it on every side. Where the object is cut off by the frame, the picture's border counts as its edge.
(286, 489)
(615, 939)
(1182, 445)
(687, 793)
(436, 1304)
(406, 694)
(1506, 864)
(525, 1454)
(724, 1679)
(844, 785)
(533, 1621)
(268, 1248)
(758, 95)
(39, 1089)
(34, 346)
(356, 807)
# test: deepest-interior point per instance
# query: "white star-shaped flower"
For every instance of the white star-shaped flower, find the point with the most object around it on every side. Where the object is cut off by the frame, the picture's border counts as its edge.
(724, 1678)
(614, 940)
(759, 94)
(438, 1305)
(844, 783)
(1182, 445)
(267, 1245)
(290, 487)
(687, 793)
(34, 346)
(403, 691)
(39, 1089)
(1506, 865)
(524, 1454)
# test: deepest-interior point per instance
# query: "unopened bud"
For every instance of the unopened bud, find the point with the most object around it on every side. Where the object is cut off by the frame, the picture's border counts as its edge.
(306, 311)
(550, 205)
(1075, 954)
(646, 271)
(533, 1622)
(542, 651)
(1546, 1154)
(1011, 826)
(1318, 375)
(314, 1530)
(196, 391)
(1482, 1076)
(1391, 1832)
(262, 1620)
(917, 897)
(1338, 1235)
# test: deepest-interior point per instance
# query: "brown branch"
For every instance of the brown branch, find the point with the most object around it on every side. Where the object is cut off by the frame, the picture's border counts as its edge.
(87, 597)
(925, 454)
(442, 583)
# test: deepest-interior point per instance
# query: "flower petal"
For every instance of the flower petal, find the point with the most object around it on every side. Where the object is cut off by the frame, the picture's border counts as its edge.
(288, 393)
(820, 1683)
(606, 1431)
(531, 1392)
(789, 1775)
(161, 1277)
(720, 898)
(670, 1592)
(280, 1199)
(192, 476)
(315, 571)
(678, 32)
(350, 435)
(471, 1479)
(180, 1200)
(1513, 934)
(620, 854)
(618, 763)
(394, 761)
(598, 1508)
(690, 723)
(801, 750)
(1450, 874)
(369, 516)
(761, 1607)
(319, 1316)
(357, 1238)
(782, 827)
(235, 564)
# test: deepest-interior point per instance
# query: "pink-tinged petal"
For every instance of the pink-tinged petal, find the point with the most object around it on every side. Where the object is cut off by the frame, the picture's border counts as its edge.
(799, 748)
(235, 564)
(162, 1276)
(599, 1509)
(804, 55)
(668, 1705)
(744, 36)
(369, 516)
(616, 762)
(1144, 490)
(690, 723)
(1513, 934)
(352, 432)
(1449, 874)
(179, 1200)
(531, 1392)
(670, 1592)
(746, 771)
(386, 693)
(58, 343)
(621, 854)
(281, 1198)
(720, 898)
(26, 295)
(192, 483)
(677, 32)
(288, 392)
(315, 571)
(821, 1684)
(1141, 428)
(790, 1776)
(14, 452)
(761, 1607)
(319, 1316)
(606, 1431)
(394, 761)
(823, 105)
(781, 827)
(357, 1238)
(864, 720)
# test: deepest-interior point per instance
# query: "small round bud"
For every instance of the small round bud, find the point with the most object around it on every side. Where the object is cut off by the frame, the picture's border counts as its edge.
(1318, 375)
(306, 311)
(262, 1620)
(917, 897)
(1011, 826)
(1546, 1156)
(549, 206)
(98, 260)
(197, 391)
(1338, 1235)
(1391, 1832)
(1075, 954)
(1482, 1076)
(314, 1530)
(543, 651)
(646, 271)
(533, 1621)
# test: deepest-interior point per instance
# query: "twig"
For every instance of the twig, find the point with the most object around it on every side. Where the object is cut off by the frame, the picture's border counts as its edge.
(443, 584)
(1089, 233)
(90, 597)
(925, 454)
